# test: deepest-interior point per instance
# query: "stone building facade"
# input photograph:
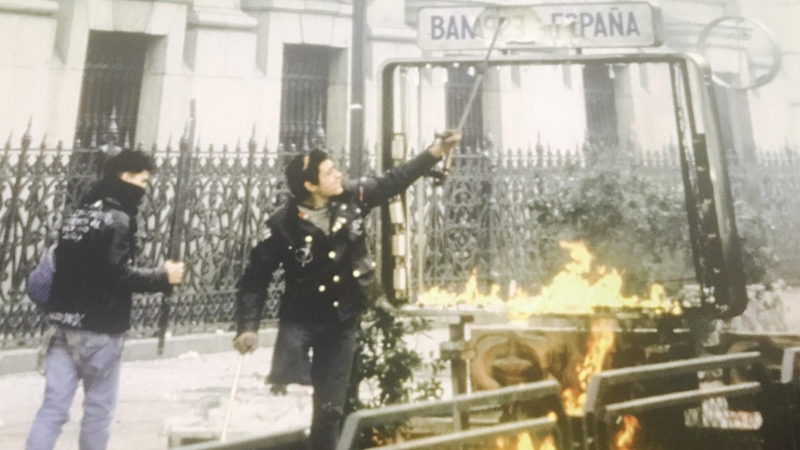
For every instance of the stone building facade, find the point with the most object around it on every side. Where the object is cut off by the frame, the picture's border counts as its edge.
(283, 68)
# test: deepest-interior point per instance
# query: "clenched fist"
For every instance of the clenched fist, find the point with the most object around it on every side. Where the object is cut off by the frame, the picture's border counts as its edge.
(246, 342)
(174, 271)
(448, 140)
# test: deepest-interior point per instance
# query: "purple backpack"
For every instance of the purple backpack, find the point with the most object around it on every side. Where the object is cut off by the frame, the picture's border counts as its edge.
(41, 278)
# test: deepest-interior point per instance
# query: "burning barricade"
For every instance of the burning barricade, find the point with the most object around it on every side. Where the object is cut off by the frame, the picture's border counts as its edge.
(577, 326)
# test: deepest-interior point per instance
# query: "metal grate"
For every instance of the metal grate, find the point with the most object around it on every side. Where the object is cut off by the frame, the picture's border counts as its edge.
(112, 82)
(459, 86)
(304, 99)
(601, 112)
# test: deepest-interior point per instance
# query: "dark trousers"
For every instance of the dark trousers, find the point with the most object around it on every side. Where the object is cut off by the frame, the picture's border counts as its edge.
(320, 355)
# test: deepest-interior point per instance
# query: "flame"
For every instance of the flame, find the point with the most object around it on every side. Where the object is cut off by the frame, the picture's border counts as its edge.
(470, 296)
(577, 289)
(599, 346)
(624, 438)
(525, 442)
(581, 288)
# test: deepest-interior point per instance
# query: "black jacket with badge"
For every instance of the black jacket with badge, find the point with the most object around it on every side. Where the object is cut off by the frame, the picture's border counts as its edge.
(94, 277)
(329, 278)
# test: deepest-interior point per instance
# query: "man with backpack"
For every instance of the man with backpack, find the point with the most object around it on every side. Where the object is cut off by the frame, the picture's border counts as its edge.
(89, 304)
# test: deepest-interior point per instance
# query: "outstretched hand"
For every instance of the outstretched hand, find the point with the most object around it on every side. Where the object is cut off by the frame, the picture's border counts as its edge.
(444, 144)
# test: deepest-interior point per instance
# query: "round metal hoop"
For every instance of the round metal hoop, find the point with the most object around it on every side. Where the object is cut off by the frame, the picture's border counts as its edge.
(777, 56)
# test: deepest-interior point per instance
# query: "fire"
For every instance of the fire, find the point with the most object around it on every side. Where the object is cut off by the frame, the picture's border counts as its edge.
(599, 346)
(624, 438)
(471, 295)
(525, 442)
(577, 289)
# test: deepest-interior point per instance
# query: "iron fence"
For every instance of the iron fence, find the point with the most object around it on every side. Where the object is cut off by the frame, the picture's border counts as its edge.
(481, 219)
(484, 220)
(229, 194)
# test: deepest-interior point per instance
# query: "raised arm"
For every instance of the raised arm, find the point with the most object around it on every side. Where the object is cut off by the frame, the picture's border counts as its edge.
(373, 191)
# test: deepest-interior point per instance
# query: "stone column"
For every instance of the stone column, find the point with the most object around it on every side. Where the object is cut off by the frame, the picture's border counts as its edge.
(220, 53)
(27, 33)
(281, 22)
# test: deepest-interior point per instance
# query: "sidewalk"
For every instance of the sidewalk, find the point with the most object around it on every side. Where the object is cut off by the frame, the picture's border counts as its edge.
(157, 396)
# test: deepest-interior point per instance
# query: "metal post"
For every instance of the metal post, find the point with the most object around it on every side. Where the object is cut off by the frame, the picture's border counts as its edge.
(178, 223)
(457, 352)
(357, 88)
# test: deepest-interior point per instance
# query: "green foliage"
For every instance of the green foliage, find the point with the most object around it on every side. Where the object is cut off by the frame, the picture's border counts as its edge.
(386, 362)
(756, 231)
(385, 370)
(634, 219)
(630, 220)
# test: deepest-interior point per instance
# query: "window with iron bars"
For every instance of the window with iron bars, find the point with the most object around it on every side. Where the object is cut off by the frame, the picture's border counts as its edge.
(304, 99)
(112, 82)
(459, 86)
(601, 111)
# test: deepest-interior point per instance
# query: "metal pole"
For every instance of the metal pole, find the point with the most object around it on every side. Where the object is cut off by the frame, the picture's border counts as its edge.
(224, 433)
(176, 233)
(357, 88)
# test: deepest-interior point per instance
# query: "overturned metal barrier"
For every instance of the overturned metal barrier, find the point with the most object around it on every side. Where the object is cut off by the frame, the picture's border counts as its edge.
(545, 392)
(666, 406)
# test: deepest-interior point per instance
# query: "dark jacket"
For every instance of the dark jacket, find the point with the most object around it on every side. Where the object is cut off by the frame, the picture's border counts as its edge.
(94, 276)
(330, 278)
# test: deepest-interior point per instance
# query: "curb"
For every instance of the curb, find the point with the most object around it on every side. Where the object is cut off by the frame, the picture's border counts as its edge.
(25, 360)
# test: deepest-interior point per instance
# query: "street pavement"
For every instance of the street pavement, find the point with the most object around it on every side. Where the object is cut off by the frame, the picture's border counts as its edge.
(187, 393)
(191, 393)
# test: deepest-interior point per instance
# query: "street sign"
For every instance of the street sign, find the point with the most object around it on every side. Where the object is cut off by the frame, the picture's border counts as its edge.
(563, 25)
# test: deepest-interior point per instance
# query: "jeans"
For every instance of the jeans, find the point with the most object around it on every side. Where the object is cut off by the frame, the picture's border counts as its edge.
(328, 371)
(73, 356)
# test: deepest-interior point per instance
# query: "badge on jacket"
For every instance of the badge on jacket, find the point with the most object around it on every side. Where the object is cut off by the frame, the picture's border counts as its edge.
(304, 255)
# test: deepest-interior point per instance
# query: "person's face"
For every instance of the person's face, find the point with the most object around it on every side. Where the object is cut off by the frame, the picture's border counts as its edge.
(137, 179)
(330, 181)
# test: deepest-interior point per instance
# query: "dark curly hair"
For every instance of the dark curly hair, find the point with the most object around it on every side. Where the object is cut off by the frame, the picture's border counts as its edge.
(299, 170)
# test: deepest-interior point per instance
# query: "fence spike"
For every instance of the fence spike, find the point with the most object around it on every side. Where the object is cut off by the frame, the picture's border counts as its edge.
(43, 145)
(252, 142)
(8, 142)
(60, 145)
(26, 138)
(185, 136)
(168, 148)
(266, 144)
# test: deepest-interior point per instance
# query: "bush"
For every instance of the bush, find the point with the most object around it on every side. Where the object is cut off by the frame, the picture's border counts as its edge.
(636, 222)
(630, 221)
(386, 363)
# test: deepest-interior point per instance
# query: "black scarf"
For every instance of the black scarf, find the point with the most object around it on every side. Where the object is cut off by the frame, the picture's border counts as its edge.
(128, 195)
